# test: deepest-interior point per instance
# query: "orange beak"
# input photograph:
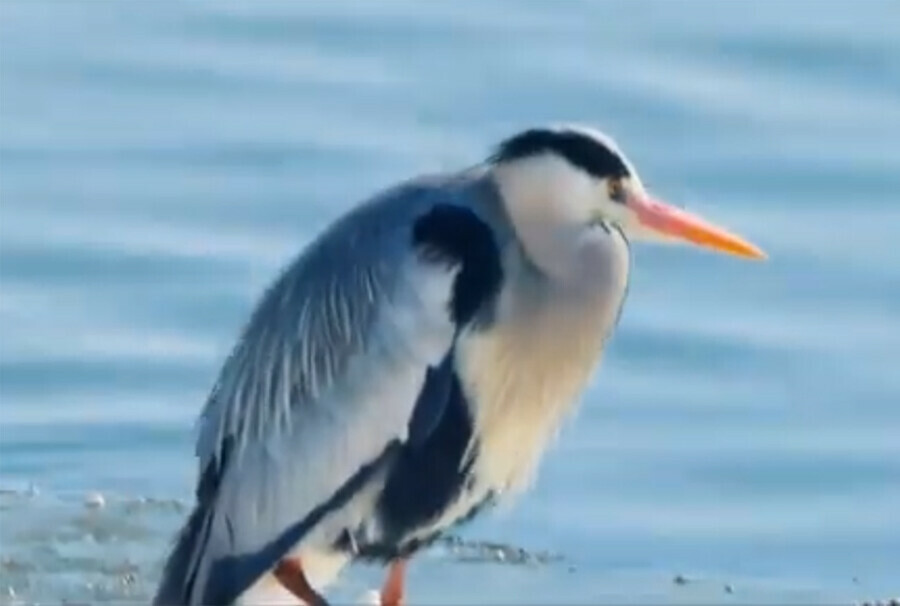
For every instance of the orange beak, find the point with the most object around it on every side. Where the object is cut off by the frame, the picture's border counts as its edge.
(673, 222)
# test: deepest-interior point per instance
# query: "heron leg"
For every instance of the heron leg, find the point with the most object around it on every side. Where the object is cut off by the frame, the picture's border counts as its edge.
(289, 573)
(392, 593)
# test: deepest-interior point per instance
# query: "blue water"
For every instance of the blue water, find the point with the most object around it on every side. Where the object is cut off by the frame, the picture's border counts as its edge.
(160, 161)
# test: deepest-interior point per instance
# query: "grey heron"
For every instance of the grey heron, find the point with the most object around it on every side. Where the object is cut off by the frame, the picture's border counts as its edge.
(411, 365)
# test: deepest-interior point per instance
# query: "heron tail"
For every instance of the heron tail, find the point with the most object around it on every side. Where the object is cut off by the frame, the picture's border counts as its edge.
(178, 585)
(179, 575)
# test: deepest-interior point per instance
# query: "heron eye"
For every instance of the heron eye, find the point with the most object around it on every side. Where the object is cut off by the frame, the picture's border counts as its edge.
(615, 189)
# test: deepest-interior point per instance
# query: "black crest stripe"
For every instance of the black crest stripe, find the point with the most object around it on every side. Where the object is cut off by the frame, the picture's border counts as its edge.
(578, 148)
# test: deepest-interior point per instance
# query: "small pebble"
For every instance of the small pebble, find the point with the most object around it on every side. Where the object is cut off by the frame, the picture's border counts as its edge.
(94, 500)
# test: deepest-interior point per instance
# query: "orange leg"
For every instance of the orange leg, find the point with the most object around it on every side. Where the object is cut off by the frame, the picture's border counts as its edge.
(393, 590)
(289, 573)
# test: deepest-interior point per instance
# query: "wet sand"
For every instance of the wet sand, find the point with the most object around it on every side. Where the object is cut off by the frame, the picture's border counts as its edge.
(94, 547)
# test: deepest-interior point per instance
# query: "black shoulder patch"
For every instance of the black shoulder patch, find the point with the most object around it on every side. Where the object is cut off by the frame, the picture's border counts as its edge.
(578, 148)
(455, 235)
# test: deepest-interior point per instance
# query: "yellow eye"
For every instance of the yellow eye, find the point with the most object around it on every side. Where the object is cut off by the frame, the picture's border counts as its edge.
(615, 189)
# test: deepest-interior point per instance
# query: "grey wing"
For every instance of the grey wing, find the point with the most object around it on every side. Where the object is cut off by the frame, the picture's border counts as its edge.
(322, 384)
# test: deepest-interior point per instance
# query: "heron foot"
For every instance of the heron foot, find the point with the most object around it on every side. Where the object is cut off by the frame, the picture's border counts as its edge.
(289, 573)
(393, 592)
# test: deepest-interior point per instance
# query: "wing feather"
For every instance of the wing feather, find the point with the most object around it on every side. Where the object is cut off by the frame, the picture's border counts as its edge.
(322, 383)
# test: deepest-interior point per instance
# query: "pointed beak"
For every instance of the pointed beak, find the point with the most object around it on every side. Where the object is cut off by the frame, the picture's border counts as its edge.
(672, 222)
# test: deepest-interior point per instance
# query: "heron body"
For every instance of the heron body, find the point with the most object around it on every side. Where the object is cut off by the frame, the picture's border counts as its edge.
(411, 366)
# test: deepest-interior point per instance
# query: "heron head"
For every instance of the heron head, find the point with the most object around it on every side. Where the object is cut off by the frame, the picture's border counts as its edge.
(576, 177)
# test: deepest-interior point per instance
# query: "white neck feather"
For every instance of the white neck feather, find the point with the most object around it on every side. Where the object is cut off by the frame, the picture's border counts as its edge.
(525, 372)
(548, 202)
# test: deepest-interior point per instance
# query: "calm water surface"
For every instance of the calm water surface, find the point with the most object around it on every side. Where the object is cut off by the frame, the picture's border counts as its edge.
(160, 161)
